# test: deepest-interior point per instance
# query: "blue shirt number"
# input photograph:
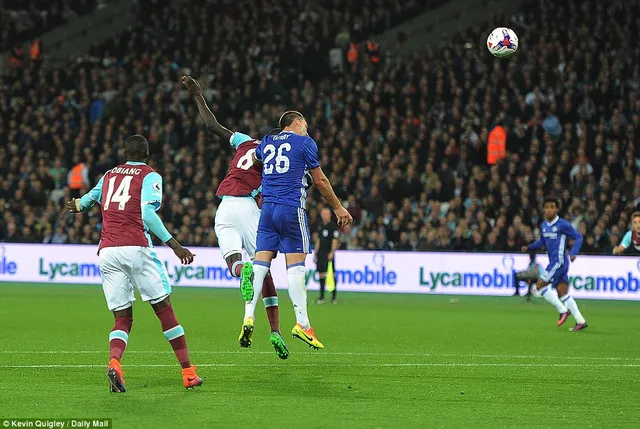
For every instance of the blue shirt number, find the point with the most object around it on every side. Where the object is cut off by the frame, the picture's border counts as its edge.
(282, 162)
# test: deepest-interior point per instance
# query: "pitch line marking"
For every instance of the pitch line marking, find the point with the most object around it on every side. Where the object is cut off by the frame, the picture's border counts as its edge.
(229, 352)
(386, 365)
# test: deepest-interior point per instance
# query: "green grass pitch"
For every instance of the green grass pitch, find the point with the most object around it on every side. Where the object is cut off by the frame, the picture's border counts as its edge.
(391, 361)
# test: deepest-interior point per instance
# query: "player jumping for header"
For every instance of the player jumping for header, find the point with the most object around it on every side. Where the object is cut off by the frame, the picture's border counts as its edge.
(236, 221)
(631, 237)
(554, 281)
(286, 159)
(129, 195)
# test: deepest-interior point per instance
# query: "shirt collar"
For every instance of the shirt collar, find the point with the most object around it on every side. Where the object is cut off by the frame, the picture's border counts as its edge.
(135, 163)
(553, 221)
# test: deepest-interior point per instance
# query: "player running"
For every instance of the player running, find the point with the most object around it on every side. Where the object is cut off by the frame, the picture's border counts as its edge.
(286, 159)
(236, 221)
(553, 284)
(129, 195)
(631, 237)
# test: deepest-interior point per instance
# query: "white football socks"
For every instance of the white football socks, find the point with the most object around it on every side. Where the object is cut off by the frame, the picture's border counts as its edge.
(250, 307)
(259, 274)
(551, 295)
(298, 293)
(572, 305)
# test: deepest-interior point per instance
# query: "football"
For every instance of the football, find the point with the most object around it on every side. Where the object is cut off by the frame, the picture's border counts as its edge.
(502, 42)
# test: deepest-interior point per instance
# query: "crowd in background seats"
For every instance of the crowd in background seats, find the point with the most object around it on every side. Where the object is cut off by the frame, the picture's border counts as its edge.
(24, 20)
(404, 141)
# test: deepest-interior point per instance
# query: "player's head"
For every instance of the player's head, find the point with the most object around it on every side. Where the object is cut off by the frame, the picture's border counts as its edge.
(275, 131)
(293, 121)
(325, 214)
(550, 206)
(635, 221)
(136, 148)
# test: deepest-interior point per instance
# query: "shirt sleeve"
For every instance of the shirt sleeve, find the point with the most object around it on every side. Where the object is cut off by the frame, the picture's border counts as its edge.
(259, 148)
(237, 139)
(310, 151)
(626, 240)
(575, 236)
(152, 190)
(154, 223)
(92, 197)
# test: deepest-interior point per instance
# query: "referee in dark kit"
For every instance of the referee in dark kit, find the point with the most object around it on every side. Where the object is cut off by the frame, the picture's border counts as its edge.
(326, 244)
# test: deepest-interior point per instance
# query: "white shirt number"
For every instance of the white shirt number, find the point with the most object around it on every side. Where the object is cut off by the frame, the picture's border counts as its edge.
(121, 195)
(246, 161)
(282, 161)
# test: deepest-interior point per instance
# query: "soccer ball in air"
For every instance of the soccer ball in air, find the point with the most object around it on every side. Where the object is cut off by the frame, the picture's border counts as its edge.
(502, 42)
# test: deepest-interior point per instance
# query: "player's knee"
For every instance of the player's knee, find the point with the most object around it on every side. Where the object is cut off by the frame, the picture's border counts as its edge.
(160, 303)
(562, 289)
(296, 269)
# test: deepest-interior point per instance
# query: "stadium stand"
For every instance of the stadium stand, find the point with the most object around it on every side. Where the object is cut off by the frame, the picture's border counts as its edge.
(404, 140)
(23, 20)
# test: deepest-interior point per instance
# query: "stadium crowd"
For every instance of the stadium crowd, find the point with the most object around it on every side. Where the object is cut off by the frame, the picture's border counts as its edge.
(403, 140)
(23, 20)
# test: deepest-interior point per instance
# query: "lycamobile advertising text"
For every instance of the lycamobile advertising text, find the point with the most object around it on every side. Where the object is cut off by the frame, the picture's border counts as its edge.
(595, 277)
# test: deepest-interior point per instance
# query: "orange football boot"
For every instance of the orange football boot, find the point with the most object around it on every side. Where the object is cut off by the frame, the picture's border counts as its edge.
(190, 378)
(114, 374)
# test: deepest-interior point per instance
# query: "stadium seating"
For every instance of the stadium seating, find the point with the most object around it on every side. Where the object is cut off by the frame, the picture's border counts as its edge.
(23, 20)
(403, 141)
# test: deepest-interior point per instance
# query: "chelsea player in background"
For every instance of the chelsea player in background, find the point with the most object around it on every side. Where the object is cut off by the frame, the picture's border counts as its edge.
(553, 284)
(287, 158)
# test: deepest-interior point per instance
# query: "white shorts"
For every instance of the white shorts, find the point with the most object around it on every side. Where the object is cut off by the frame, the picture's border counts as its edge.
(126, 267)
(236, 225)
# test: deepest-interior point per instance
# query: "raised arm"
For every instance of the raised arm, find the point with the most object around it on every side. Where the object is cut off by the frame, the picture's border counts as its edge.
(210, 121)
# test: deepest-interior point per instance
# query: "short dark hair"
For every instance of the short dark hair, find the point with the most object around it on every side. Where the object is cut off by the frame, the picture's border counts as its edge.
(275, 131)
(635, 215)
(288, 117)
(136, 148)
(551, 200)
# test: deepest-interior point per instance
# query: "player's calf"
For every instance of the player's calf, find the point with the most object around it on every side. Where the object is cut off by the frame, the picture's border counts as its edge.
(119, 336)
(174, 333)
(118, 339)
(270, 300)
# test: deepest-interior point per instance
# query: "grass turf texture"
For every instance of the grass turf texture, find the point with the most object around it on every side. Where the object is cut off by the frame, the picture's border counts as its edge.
(390, 361)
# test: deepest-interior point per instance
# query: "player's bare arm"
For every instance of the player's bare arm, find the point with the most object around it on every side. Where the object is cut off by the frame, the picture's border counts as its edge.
(326, 190)
(210, 121)
(184, 254)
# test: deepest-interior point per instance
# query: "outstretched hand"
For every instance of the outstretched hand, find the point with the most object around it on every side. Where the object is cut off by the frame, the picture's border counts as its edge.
(184, 254)
(192, 85)
(73, 205)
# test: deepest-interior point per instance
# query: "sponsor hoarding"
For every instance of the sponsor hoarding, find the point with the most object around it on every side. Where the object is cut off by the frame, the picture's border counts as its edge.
(595, 277)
